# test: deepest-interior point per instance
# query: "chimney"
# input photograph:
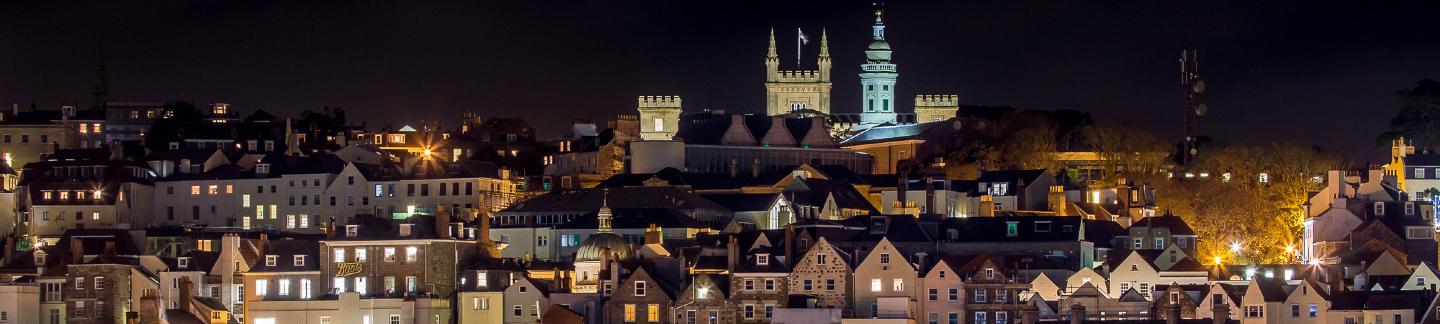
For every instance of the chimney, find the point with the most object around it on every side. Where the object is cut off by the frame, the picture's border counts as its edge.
(9, 242)
(614, 272)
(1172, 313)
(789, 243)
(442, 220)
(1020, 196)
(149, 307)
(1220, 313)
(987, 206)
(733, 254)
(77, 251)
(929, 194)
(261, 245)
(187, 293)
(1077, 313)
(653, 235)
(1057, 200)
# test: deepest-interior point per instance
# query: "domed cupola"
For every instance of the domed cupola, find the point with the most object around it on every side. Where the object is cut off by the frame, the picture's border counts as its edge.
(596, 246)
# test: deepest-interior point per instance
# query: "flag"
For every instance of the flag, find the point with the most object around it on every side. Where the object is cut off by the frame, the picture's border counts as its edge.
(803, 39)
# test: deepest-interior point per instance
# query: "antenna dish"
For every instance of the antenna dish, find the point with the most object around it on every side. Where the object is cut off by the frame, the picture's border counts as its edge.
(1198, 86)
(1201, 110)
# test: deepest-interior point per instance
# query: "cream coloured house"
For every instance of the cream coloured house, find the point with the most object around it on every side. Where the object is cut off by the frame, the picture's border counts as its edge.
(884, 285)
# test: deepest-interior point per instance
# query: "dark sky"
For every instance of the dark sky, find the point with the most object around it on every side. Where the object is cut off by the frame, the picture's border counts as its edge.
(1303, 71)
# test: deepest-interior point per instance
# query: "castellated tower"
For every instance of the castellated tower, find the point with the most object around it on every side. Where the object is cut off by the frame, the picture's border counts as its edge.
(934, 108)
(787, 91)
(659, 117)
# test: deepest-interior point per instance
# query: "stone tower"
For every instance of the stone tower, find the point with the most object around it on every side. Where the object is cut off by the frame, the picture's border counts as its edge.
(877, 78)
(659, 117)
(934, 108)
(786, 91)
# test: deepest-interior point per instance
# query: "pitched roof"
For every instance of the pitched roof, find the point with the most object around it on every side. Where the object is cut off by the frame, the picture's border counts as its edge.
(284, 252)
(1176, 225)
(894, 133)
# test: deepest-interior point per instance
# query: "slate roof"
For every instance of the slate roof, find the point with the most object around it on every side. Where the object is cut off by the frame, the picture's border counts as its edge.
(743, 202)
(629, 197)
(636, 218)
(880, 134)
(284, 252)
(1379, 300)
(1273, 289)
(708, 128)
(1176, 225)
(993, 229)
(373, 227)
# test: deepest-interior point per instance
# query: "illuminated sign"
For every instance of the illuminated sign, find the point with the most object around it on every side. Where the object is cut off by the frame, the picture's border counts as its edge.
(347, 268)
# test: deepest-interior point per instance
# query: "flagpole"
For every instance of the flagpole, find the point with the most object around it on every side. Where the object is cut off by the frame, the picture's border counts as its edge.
(798, 35)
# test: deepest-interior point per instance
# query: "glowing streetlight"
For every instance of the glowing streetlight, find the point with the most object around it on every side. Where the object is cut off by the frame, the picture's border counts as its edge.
(1235, 247)
(1217, 260)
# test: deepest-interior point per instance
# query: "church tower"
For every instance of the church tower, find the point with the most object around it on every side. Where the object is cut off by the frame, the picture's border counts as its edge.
(787, 91)
(877, 78)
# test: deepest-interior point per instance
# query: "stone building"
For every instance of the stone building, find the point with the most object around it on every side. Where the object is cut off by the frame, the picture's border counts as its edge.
(823, 272)
(791, 90)
(643, 296)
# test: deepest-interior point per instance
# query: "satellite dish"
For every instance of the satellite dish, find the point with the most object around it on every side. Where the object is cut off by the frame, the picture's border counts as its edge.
(1198, 86)
(1201, 110)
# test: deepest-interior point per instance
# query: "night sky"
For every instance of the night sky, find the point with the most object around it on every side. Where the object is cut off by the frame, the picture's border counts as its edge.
(1303, 71)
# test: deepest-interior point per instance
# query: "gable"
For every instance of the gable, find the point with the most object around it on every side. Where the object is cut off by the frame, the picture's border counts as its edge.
(885, 251)
(1422, 278)
(1387, 264)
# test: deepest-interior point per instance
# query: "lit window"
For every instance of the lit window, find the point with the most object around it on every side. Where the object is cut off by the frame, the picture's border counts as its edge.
(214, 189)
(194, 190)
(389, 254)
(412, 254)
(284, 287)
(261, 286)
(652, 312)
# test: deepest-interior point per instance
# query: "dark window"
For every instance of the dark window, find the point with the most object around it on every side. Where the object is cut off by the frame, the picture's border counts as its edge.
(442, 189)
(424, 189)
(410, 190)
(194, 212)
(332, 200)
(468, 187)
(455, 188)
(170, 213)
(350, 179)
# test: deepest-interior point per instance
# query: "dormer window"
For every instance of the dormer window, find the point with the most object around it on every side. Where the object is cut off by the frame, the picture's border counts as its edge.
(270, 260)
(352, 230)
(999, 189)
(989, 273)
(40, 259)
(262, 168)
(762, 259)
(299, 260)
(1379, 208)
(405, 229)
(1409, 208)
(182, 262)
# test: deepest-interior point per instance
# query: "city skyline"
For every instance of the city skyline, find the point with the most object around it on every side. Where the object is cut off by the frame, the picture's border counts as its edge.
(1273, 68)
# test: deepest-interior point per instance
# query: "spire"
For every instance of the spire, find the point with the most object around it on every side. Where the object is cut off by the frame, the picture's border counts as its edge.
(604, 215)
(824, 44)
(879, 27)
(771, 52)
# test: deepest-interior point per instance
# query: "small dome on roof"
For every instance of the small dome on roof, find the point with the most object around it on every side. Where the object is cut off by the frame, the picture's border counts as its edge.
(594, 247)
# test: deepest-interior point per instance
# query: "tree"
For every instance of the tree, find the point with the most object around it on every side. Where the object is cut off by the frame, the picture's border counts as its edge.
(1419, 116)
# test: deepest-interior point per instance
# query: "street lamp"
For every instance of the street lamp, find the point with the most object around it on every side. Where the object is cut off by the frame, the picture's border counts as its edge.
(1235, 247)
